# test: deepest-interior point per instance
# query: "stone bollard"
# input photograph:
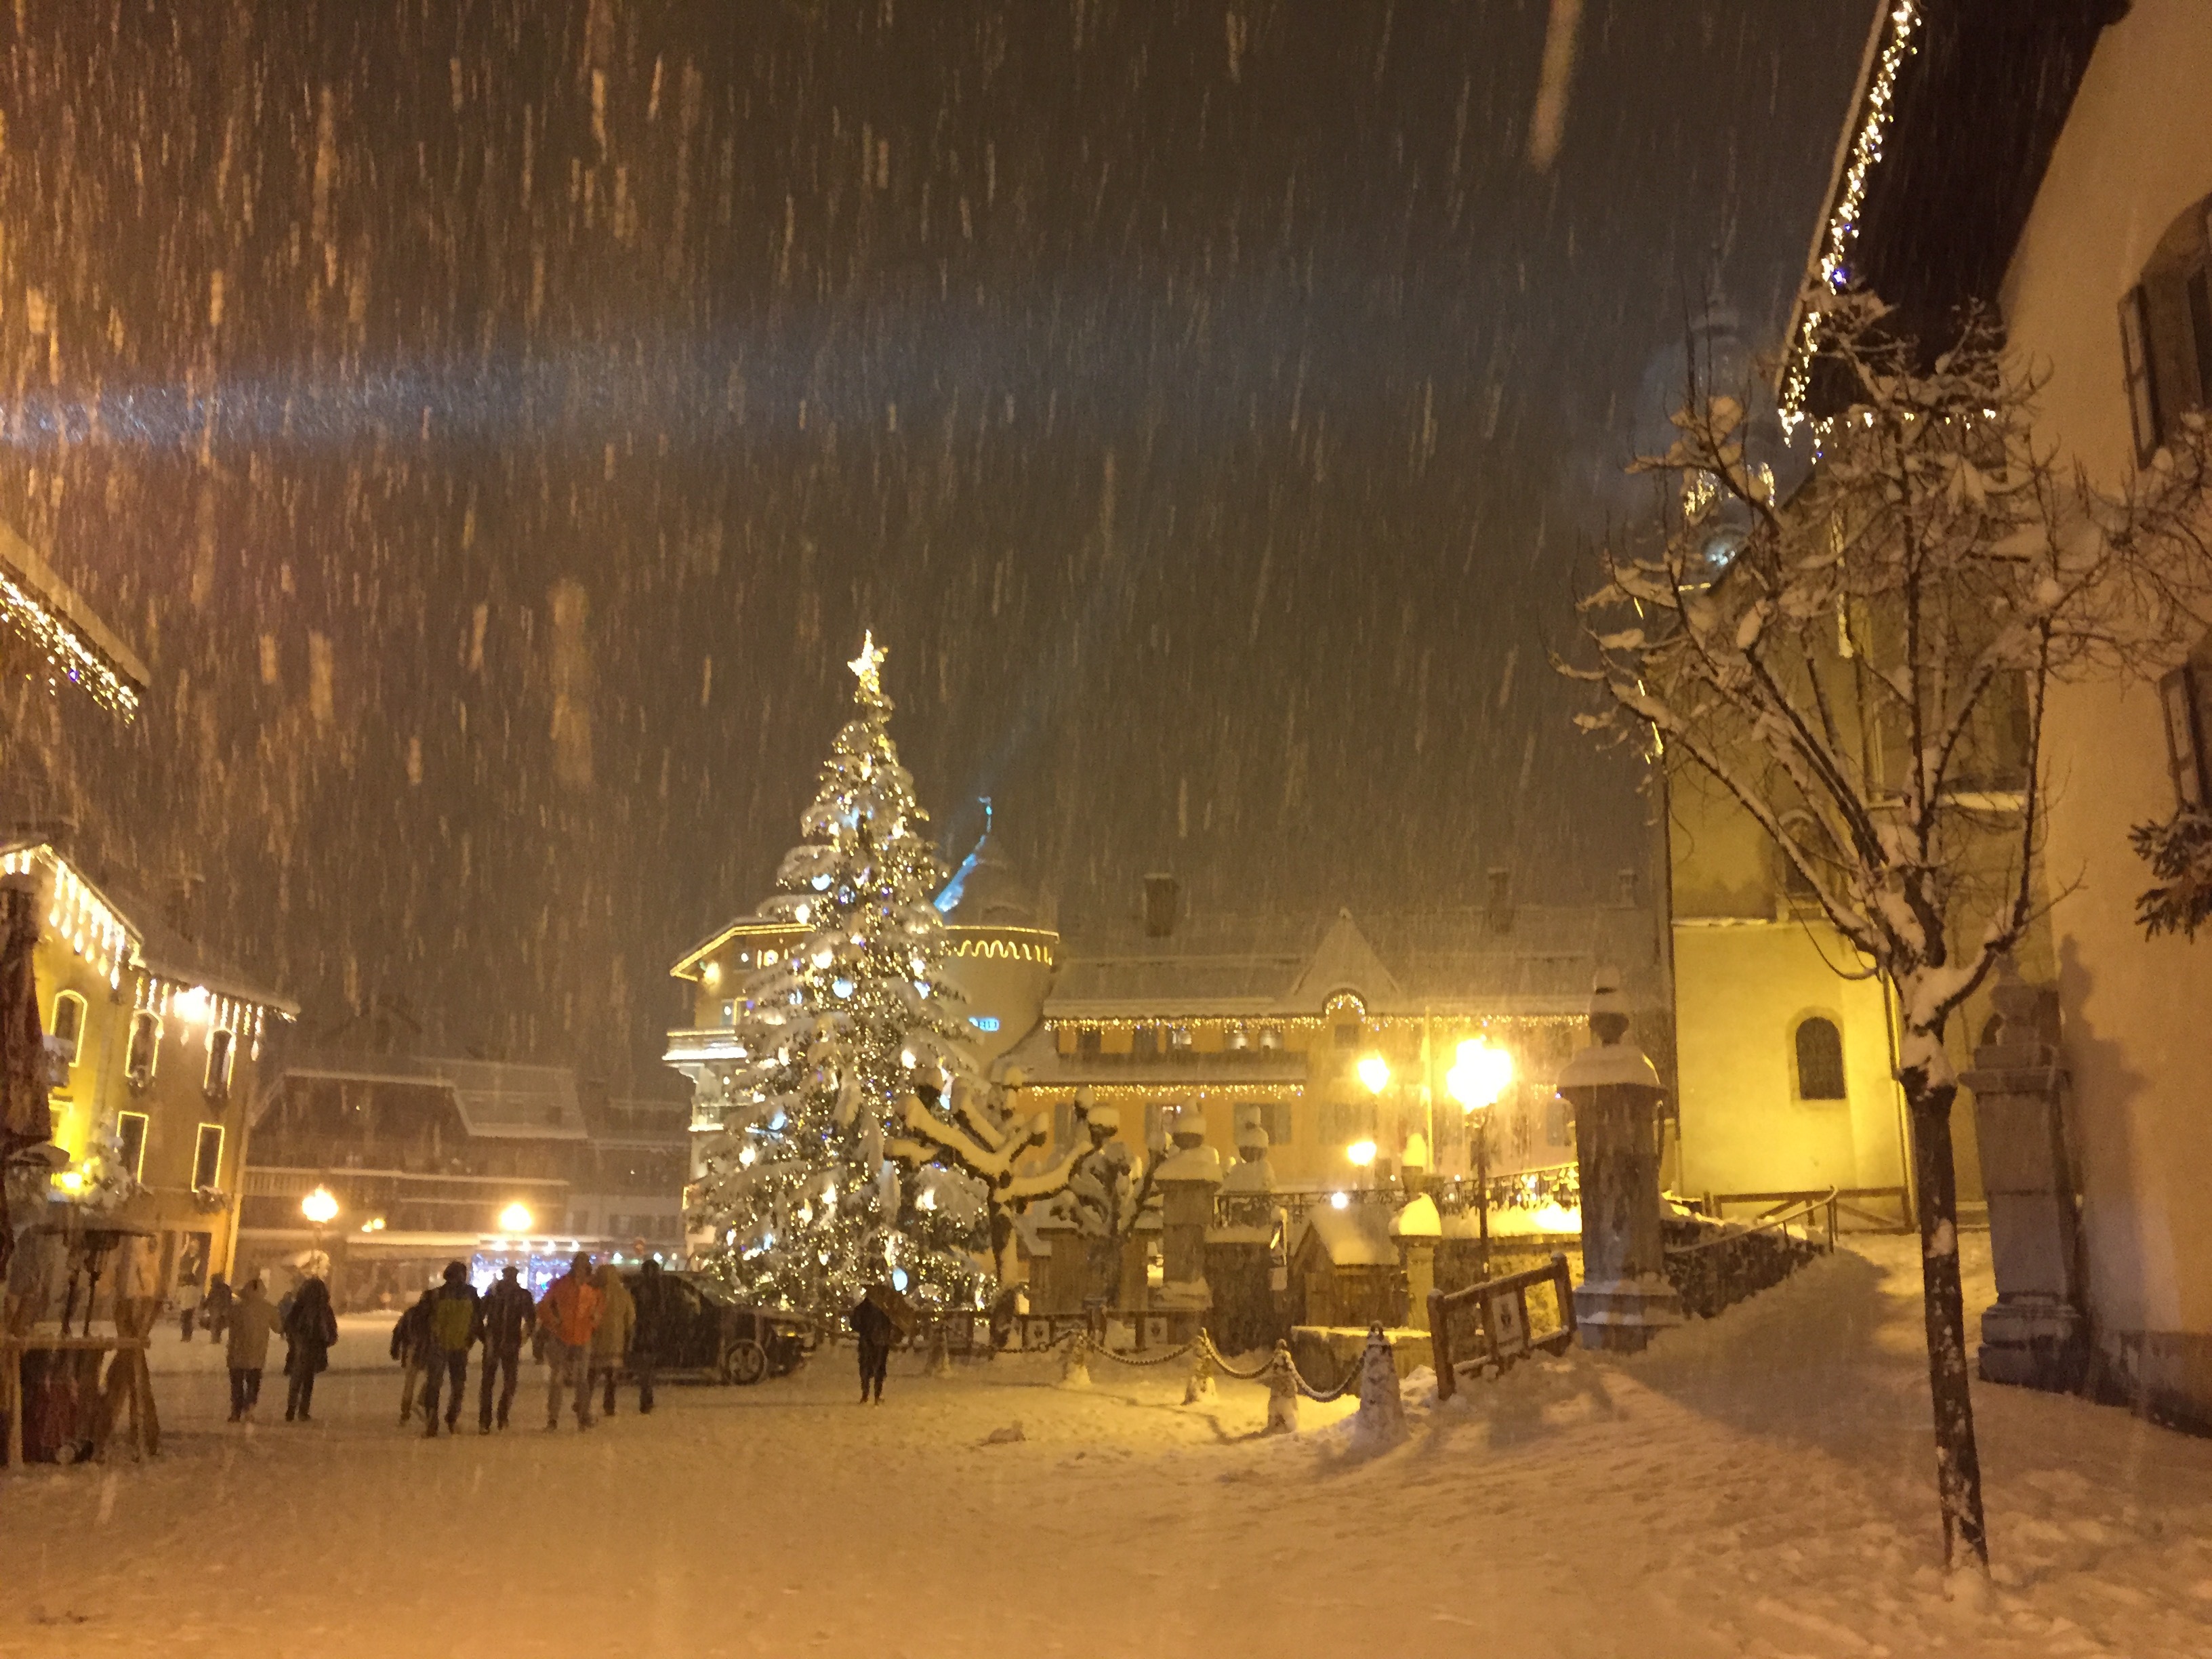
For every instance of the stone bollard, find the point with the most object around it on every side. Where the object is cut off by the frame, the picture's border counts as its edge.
(1381, 1408)
(1200, 1389)
(1282, 1393)
(1075, 1364)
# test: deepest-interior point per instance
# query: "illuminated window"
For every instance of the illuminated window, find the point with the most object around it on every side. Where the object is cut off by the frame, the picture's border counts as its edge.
(144, 1049)
(67, 1026)
(1820, 1047)
(221, 1046)
(207, 1157)
(130, 1142)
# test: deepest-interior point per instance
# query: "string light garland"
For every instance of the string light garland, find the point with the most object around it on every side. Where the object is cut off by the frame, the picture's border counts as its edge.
(1843, 227)
(69, 655)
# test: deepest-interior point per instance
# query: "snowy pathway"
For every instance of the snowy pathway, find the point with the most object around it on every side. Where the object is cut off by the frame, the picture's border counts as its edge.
(1759, 1486)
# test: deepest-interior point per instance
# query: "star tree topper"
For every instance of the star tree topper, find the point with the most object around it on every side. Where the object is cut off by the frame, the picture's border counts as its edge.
(867, 667)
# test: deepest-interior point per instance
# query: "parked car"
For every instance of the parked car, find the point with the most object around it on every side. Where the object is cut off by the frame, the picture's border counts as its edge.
(711, 1334)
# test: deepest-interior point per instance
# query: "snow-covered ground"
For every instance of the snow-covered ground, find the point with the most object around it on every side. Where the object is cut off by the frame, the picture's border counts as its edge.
(1759, 1485)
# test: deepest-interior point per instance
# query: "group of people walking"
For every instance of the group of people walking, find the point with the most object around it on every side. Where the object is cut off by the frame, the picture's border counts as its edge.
(587, 1328)
(309, 1324)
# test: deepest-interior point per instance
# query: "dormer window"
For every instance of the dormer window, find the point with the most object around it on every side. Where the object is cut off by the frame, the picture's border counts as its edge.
(144, 1051)
(222, 1049)
(68, 1027)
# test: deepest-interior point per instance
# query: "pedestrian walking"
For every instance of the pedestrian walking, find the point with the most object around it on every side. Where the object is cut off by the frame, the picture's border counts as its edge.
(876, 1327)
(456, 1321)
(611, 1337)
(655, 1312)
(311, 1325)
(248, 1324)
(566, 1317)
(411, 1346)
(509, 1316)
(214, 1308)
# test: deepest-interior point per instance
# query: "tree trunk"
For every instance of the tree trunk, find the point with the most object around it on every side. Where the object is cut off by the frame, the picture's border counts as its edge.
(1958, 1464)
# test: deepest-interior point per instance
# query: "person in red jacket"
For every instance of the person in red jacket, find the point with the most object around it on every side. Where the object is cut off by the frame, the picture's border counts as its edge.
(568, 1314)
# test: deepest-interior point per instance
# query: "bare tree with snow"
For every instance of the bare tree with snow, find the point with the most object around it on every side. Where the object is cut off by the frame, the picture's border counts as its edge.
(1862, 668)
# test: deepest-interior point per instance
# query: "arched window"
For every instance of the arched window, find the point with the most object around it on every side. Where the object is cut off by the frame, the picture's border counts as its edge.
(145, 1052)
(1820, 1059)
(221, 1046)
(68, 1029)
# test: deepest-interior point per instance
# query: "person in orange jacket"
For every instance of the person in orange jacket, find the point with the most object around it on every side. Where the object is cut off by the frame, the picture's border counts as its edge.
(569, 1315)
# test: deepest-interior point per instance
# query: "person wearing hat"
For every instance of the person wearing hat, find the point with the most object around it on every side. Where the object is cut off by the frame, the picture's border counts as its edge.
(456, 1321)
(508, 1316)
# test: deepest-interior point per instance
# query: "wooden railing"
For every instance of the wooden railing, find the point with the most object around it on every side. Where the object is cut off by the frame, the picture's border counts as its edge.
(1715, 1274)
(1851, 1201)
(1502, 1307)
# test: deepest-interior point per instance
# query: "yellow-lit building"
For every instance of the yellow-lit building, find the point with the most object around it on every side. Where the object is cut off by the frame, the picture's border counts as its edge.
(156, 1054)
(1337, 1034)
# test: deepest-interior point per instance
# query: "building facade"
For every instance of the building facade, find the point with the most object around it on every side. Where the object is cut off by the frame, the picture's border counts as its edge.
(159, 1058)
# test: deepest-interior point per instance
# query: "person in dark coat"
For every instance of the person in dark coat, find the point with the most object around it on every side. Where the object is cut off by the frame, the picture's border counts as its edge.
(875, 1327)
(456, 1323)
(411, 1346)
(509, 1316)
(656, 1313)
(214, 1308)
(311, 1325)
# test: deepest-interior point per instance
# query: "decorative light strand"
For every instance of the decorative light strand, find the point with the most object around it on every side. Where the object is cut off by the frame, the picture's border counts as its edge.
(67, 651)
(1842, 228)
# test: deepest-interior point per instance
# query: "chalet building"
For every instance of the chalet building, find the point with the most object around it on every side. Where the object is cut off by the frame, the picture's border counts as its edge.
(2056, 161)
(1334, 1036)
(424, 1160)
(159, 1058)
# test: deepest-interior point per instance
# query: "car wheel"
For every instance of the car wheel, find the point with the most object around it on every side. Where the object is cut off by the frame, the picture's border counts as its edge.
(743, 1362)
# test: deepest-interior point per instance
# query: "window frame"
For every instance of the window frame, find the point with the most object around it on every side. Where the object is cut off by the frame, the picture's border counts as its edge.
(145, 1123)
(144, 1019)
(200, 1159)
(1797, 1085)
(83, 1013)
(212, 1087)
(2180, 717)
(2139, 374)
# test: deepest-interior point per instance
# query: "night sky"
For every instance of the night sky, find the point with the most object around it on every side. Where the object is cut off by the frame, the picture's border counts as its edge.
(496, 421)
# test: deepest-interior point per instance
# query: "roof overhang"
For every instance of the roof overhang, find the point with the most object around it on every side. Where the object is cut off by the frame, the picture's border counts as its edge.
(55, 620)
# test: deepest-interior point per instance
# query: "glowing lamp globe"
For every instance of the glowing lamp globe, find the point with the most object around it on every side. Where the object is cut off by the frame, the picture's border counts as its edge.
(1479, 1076)
(1375, 1072)
(320, 1207)
(515, 1218)
(1361, 1152)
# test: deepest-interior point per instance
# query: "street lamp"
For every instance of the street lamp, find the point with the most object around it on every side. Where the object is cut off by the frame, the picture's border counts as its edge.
(1477, 1077)
(321, 1209)
(516, 1218)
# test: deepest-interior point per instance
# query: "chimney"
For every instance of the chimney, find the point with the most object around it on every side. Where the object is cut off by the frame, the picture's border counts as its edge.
(1498, 902)
(181, 904)
(1163, 900)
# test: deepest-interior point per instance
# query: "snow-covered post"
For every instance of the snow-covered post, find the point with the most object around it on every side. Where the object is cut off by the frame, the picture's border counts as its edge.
(1075, 1363)
(1382, 1406)
(1624, 1297)
(940, 1352)
(1282, 1393)
(2035, 1334)
(1199, 1389)
(1419, 1229)
(1186, 1178)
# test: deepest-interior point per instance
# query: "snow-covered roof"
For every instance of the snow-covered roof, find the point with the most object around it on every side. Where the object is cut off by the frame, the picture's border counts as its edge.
(1443, 961)
(496, 1100)
(1357, 1235)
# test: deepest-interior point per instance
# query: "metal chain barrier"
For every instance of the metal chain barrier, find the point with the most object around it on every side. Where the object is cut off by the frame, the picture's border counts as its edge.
(1257, 1375)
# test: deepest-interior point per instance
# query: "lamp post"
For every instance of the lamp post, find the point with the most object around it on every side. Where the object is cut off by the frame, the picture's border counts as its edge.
(321, 1209)
(1478, 1077)
(1373, 1071)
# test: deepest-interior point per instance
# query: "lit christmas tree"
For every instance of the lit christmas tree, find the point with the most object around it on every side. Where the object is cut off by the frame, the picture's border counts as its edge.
(835, 1036)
